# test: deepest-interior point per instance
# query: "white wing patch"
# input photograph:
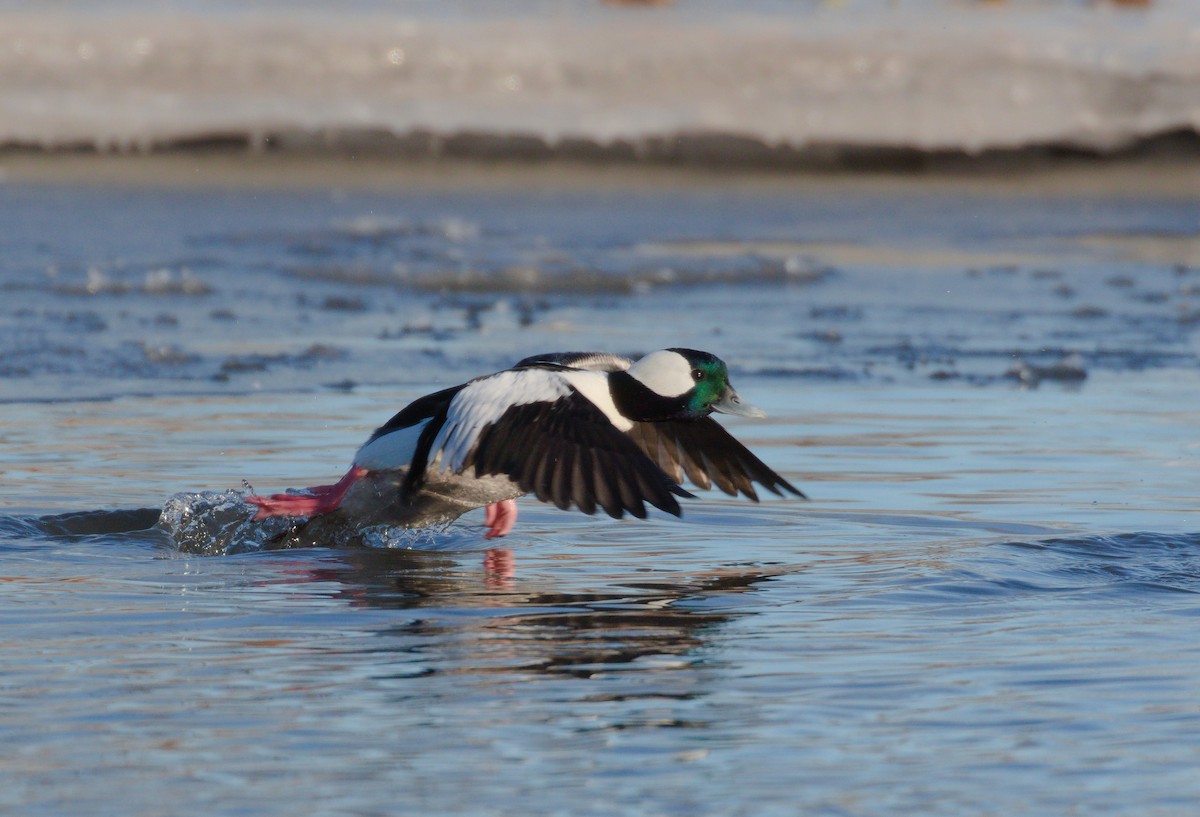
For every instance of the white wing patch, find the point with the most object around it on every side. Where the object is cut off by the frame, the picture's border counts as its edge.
(594, 386)
(391, 451)
(483, 402)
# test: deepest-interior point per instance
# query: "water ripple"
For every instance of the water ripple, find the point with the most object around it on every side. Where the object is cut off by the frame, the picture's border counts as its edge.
(1141, 560)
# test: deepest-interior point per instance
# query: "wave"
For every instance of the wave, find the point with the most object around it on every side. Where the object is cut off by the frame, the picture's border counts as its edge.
(903, 84)
(1118, 565)
(30, 532)
(1143, 560)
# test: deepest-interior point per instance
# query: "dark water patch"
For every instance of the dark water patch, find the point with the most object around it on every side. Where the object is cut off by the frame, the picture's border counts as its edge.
(1119, 563)
(1028, 366)
(98, 523)
(317, 353)
(127, 359)
(598, 277)
(826, 373)
(125, 525)
(145, 359)
(1069, 369)
(340, 303)
(822, 336)
(80, 321)
(836, 312)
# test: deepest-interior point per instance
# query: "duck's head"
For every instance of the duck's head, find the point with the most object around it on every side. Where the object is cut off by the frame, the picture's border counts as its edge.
(693, 383)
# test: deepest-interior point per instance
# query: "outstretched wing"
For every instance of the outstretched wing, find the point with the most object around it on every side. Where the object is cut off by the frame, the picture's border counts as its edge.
(534, 427)
(707, 454)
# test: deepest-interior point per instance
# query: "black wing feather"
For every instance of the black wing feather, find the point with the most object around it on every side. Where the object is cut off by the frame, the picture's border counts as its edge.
(606, 498)
(707, 454)
(584, 485)
(564, 468)
(566, 451)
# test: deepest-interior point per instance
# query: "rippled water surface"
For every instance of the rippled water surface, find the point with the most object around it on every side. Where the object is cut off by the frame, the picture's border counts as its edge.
(987, 606)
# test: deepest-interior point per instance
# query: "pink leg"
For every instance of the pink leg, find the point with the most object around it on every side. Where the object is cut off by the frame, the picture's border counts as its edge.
(500, 518)
(319, 499)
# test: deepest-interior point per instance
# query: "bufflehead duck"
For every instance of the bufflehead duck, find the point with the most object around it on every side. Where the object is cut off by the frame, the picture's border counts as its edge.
(587, 429)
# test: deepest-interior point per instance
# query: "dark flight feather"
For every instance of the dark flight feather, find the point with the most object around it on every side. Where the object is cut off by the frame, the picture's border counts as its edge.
(707, 454)
(566, 451)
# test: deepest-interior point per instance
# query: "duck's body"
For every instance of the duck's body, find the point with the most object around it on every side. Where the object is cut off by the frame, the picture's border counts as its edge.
(581, 429)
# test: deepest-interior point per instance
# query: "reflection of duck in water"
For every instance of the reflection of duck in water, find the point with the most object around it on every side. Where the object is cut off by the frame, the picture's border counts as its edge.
(591, 430)
(577, 625)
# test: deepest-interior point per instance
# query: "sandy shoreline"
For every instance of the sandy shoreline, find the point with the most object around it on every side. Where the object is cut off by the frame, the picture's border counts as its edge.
(760, 82)
(1166, 177)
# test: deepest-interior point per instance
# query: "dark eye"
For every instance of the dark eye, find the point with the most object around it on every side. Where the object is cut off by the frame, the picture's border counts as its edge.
(697, 375)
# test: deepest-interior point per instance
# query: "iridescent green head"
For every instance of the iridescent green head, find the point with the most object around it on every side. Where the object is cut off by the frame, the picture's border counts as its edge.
(696, 383)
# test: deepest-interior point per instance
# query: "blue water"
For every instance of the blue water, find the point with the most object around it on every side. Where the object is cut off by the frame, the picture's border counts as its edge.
(986, 607)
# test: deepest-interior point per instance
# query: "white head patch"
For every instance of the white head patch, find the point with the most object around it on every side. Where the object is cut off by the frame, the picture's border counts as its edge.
(665, 372)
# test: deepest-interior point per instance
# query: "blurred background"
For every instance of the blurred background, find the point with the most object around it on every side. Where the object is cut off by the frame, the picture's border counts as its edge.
(762, 82)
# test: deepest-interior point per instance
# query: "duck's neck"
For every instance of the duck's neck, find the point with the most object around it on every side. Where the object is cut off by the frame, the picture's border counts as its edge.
(638, 402)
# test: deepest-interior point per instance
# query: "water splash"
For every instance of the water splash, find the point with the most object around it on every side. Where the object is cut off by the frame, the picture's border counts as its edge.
(212, 523)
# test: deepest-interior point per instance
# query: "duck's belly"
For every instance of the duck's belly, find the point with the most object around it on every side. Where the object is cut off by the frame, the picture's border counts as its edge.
(376, 498)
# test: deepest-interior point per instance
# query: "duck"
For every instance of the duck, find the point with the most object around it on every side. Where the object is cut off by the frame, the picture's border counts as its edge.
(588, 430)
